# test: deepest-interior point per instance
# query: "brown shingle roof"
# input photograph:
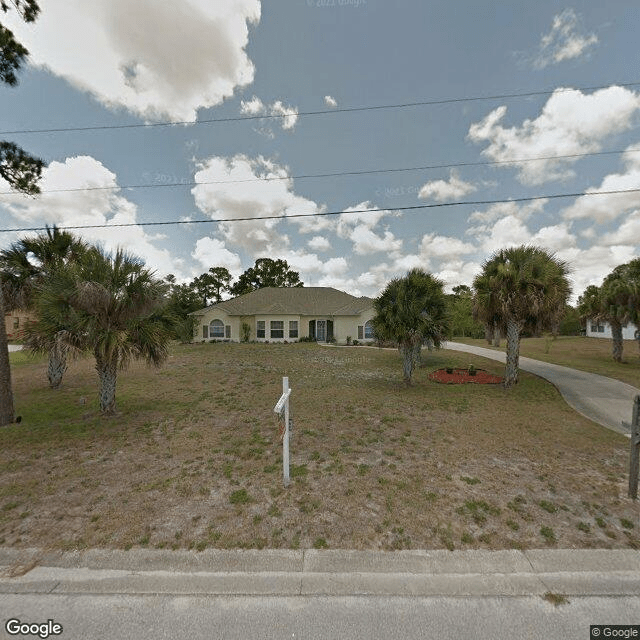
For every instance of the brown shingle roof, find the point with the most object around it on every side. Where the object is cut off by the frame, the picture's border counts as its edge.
(305, 301)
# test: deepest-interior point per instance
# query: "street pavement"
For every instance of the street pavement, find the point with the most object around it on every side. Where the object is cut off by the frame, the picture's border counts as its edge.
(145, 594)
(604, 400)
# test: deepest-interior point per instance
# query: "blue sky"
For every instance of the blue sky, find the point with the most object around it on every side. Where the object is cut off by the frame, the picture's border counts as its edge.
(112, 62)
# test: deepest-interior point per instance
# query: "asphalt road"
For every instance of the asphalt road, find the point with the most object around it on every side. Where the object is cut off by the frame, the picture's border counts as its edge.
(136, 617)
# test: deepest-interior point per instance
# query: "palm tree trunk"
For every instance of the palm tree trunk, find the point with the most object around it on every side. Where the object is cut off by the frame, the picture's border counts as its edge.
(57, 366)
(488, 333)
(7, 413)
(108, 374)
(497, 335)
(417, 354)
(513, 354)
(616, 335)
(408, 361)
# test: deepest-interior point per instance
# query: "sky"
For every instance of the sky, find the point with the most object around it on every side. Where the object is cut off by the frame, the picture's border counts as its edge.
(200, 111)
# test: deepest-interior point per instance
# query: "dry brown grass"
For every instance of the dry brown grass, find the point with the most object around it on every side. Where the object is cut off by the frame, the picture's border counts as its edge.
(586, 354)
(193, 460)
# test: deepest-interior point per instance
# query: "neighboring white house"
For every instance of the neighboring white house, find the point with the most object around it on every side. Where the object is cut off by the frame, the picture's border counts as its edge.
(289, 313)
(603, 330)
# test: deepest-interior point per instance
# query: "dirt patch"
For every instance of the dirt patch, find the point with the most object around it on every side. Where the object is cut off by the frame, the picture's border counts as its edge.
(462, 376)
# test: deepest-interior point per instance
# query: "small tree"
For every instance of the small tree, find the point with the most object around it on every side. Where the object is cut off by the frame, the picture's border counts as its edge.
(24, 265)
(522, 286)
(112, 305)
(411, 311)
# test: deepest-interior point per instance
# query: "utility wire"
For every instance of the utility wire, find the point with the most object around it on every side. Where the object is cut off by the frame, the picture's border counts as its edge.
(403, 105)
(336, 174)
(330, 213)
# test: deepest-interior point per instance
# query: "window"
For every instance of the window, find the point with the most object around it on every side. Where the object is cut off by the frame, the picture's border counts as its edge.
(205, 331)
(16, 323)
(277, 329)
(360, 332)
(260, 329)
(368, 330)
(216, 329)
(293, 328)
(596, 327)
(227, 331)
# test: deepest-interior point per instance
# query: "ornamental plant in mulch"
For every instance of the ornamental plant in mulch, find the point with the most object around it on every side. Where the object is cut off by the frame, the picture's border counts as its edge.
(460, 376)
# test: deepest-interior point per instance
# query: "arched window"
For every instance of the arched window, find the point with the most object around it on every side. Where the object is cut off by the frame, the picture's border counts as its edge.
(216, 329)
(368, 330)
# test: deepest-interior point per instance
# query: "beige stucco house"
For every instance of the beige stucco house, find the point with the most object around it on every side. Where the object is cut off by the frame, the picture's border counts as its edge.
(278, 314)
(16, 322)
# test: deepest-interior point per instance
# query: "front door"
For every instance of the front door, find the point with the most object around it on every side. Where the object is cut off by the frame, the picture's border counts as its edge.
(321, 330)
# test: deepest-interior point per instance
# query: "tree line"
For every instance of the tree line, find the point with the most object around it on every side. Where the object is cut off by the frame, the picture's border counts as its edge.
(520, 291)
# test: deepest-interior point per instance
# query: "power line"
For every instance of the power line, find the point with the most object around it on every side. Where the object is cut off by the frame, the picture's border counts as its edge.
(404, 105)
(331, 213)
(336, 174)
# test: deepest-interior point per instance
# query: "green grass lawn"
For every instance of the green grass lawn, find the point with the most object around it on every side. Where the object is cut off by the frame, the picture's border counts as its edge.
(586, 354)
(193, 458)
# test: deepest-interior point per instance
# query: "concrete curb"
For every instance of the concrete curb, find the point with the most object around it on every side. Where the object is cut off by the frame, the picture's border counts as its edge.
(323, 573)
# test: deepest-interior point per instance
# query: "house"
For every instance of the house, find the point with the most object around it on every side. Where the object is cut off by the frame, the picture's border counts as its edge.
(16, 322)
(600, 329)
(277, 314)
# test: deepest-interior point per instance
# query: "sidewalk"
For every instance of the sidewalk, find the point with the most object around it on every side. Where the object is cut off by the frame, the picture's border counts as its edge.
(593, 572)
(604, 400)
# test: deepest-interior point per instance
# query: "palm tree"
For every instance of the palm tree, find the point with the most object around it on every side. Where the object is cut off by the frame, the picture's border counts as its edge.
(411, 311)
(617, 302)
(110, 306)
(523, 286)
(24, 265)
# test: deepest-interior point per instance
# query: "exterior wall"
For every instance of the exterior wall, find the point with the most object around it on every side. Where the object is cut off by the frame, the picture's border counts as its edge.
(233, 322)
(628, 332)
(343, 326)
(16, 322)
(267, 319)
(346, 326)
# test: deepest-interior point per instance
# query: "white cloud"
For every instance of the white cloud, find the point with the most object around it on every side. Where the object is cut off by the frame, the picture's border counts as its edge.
(290, 114)
(358, 227)
(602, 208)
(256, 107)
(502, 209)
(628, 233)
(259, 197)
(565, 41)
(253, 107)
(433, 246)
(212, 252)
(155, 59)
(319, 243)
(571, 122)
(455, 272)
(102, 205)
(330, 101)
(441, 190)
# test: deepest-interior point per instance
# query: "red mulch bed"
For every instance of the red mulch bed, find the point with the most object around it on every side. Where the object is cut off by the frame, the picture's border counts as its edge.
(460, 376)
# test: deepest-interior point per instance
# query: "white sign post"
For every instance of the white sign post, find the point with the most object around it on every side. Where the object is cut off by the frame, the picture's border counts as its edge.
(283, 403)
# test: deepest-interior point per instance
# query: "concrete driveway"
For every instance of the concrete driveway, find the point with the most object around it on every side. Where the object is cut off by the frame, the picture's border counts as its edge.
(604, 400)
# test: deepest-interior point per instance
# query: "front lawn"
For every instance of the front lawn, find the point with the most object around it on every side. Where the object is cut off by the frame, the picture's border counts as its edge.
(193, 457)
